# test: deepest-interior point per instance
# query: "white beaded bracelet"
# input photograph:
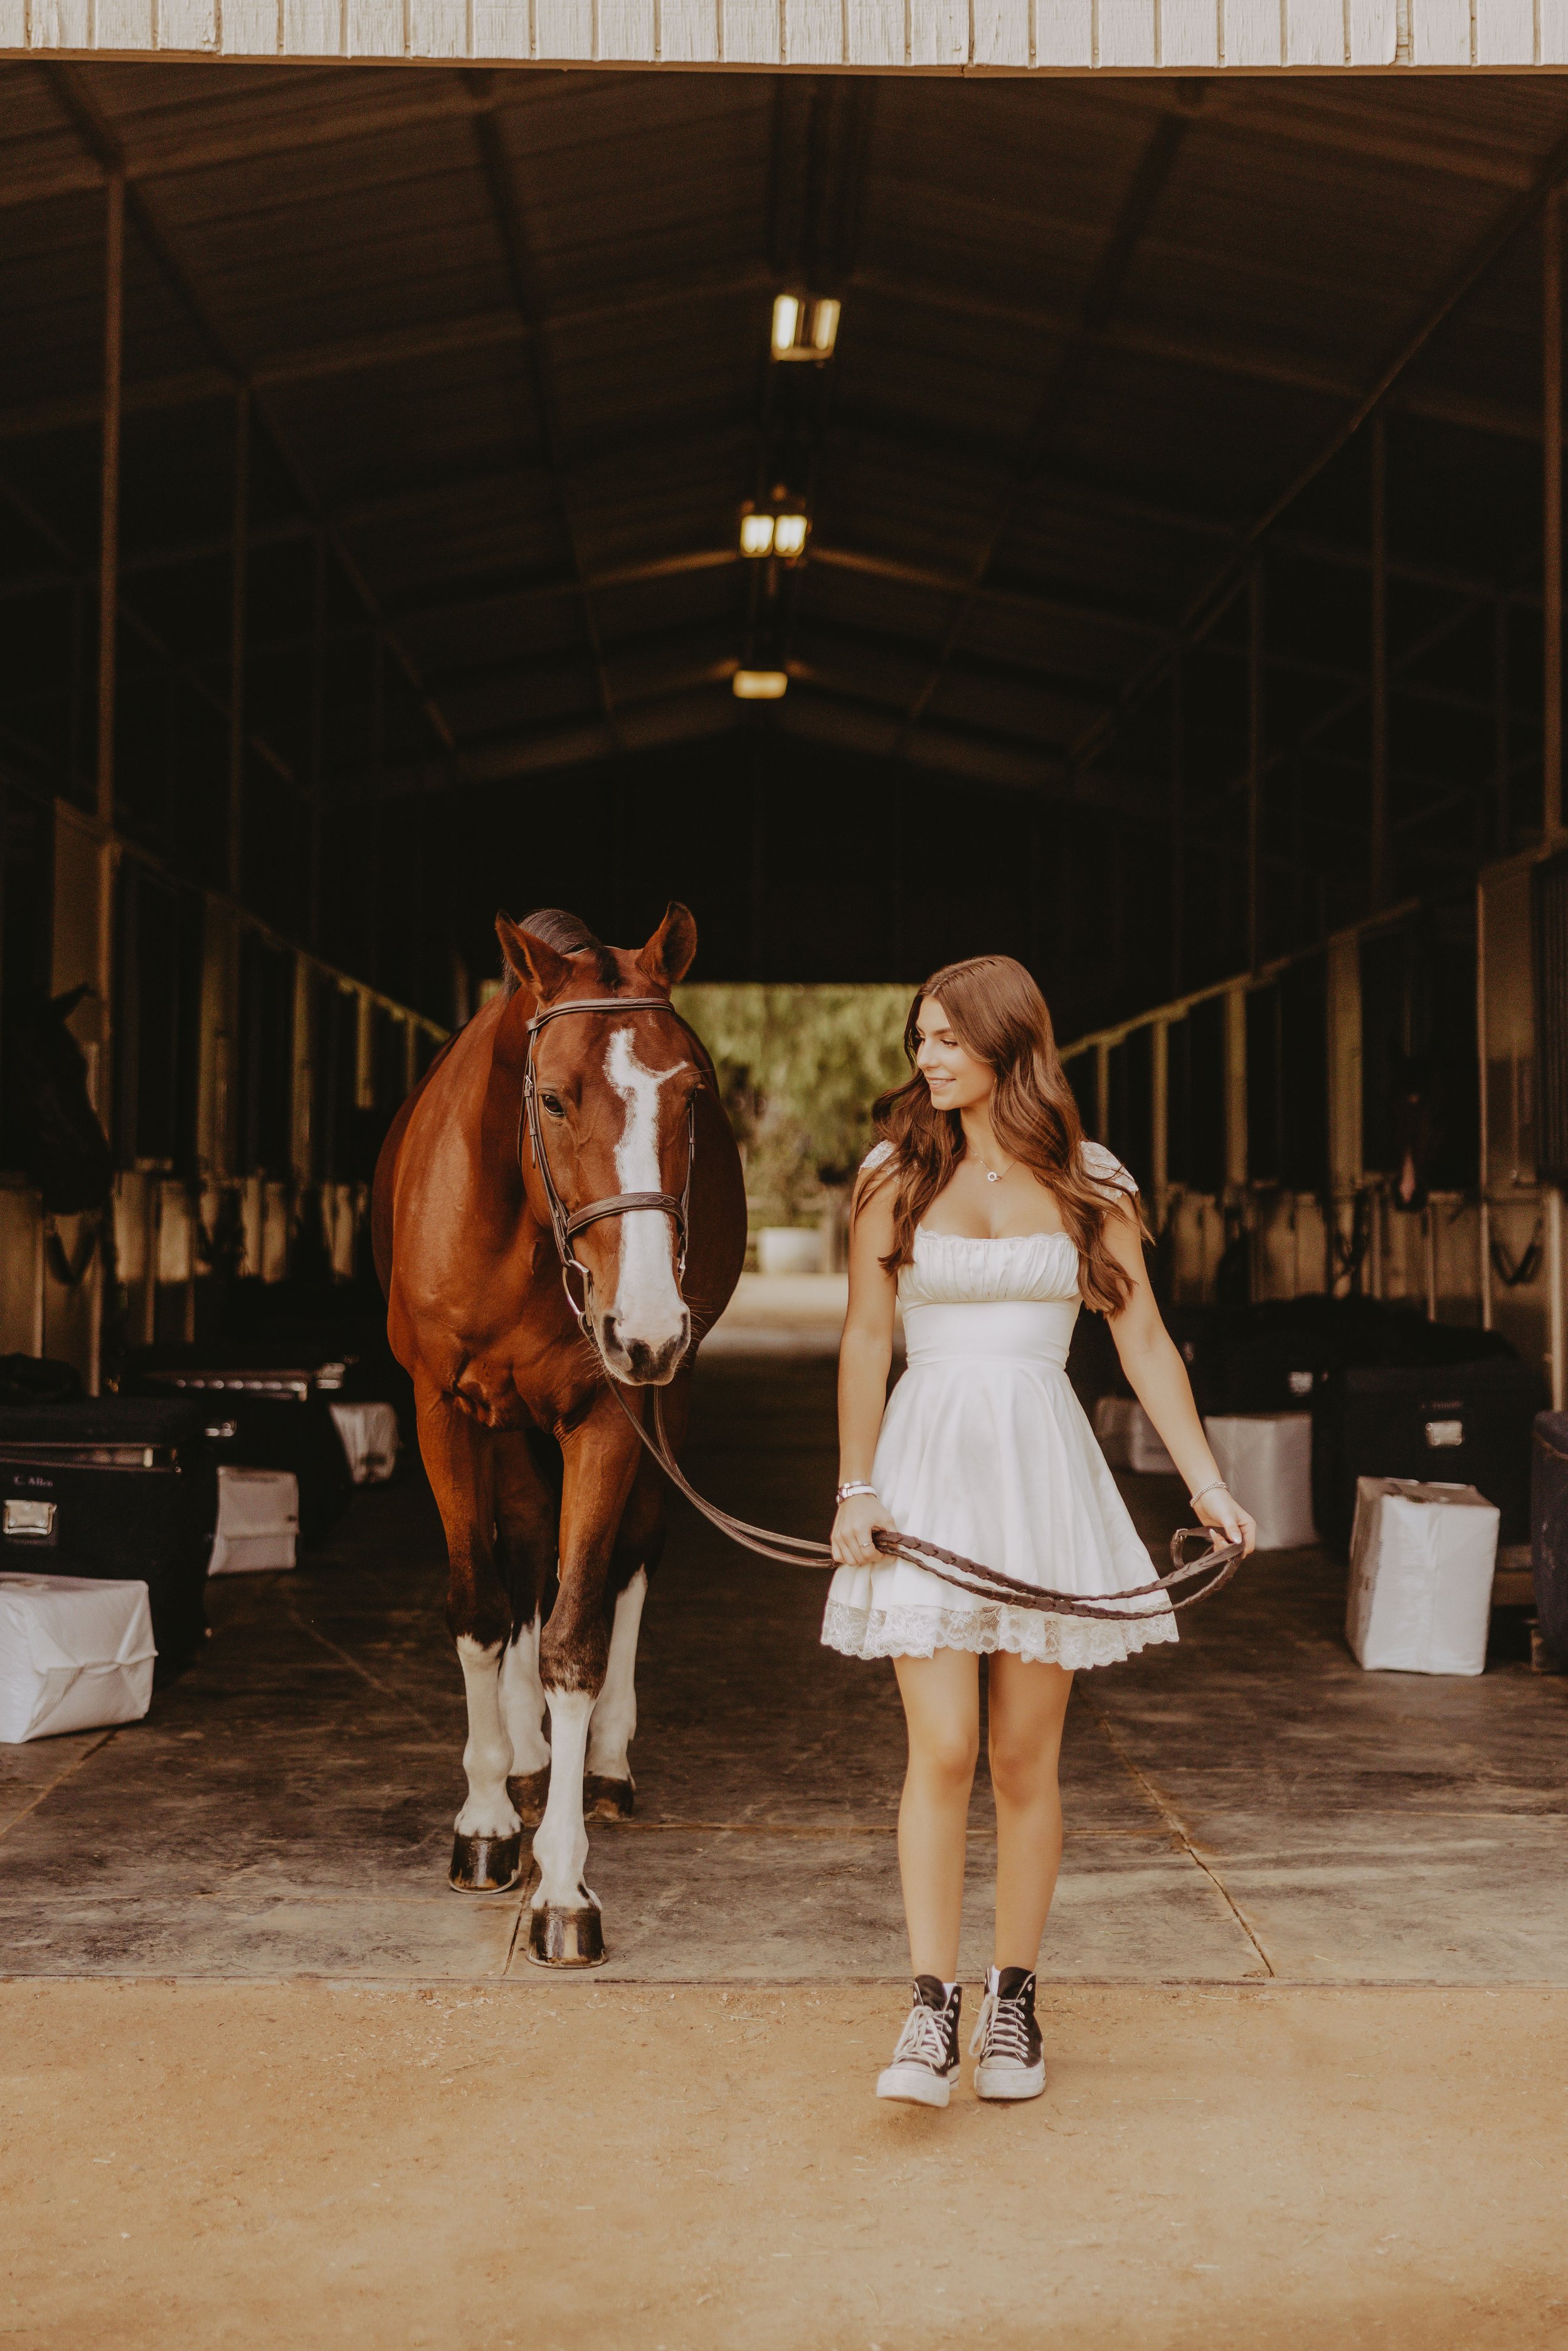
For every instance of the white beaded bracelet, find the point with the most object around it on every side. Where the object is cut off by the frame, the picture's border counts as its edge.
(855, 1486)
(1215, 1486)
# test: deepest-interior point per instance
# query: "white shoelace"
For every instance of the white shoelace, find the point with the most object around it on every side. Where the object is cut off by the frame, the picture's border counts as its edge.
(924, 2040)
(1002, 2030)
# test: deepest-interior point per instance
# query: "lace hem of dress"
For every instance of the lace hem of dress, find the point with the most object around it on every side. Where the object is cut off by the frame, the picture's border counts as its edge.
(1073, 1641)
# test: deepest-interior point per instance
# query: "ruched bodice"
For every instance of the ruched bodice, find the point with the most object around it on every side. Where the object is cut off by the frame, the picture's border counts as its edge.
(985, 1450)
(1015, 1297)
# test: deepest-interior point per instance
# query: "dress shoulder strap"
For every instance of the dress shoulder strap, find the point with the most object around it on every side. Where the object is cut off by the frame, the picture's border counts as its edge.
(1102, 1167)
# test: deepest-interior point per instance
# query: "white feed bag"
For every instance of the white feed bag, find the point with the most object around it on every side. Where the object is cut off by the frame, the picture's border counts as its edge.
(75, 1655)
(258, 1520)
(1126, 1436)
(1145, 1450)
(370, 1437)
(1113, 1417)
(1266, 1460)
(1421, 1560)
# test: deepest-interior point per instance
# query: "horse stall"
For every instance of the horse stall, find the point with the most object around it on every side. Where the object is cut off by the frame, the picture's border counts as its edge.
(555, 560)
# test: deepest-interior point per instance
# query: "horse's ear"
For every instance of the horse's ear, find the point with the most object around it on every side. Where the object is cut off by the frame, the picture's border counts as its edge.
(667, 957)
(534, 962)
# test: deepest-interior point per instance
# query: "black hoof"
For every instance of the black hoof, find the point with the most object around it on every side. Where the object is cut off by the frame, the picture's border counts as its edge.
(485, 1865)
(529, 1791)
(565, 1938)
(607, 1800)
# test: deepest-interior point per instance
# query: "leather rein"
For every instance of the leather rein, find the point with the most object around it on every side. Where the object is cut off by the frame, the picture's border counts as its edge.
(1215, 1565)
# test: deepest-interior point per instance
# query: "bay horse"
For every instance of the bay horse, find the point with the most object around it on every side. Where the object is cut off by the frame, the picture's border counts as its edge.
(529, 1249)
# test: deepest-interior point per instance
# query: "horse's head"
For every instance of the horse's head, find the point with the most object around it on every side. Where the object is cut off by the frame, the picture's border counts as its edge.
(54, 1127)
(614, 1094)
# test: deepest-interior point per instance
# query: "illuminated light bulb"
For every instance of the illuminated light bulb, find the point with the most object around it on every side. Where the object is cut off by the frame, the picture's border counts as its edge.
(824, 324)
(788, 534)
(756, 534)
(759, 685)
(786, 317)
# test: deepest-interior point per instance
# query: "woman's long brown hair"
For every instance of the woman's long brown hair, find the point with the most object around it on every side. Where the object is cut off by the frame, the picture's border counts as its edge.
(999, 1016)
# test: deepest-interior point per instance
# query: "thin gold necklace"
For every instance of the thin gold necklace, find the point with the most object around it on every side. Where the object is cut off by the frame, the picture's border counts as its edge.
(991, 1174)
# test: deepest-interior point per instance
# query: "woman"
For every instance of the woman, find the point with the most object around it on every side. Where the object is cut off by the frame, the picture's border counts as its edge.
(991, 1219)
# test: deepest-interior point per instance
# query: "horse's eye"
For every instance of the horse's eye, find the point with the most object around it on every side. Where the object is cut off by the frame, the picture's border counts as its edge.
(553, 1105)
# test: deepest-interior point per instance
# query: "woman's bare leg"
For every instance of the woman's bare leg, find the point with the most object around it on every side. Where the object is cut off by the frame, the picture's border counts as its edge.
(941, 1697)
(1026, 1706)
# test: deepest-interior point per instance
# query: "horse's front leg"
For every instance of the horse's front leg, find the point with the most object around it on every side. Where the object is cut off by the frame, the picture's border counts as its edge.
(610, 1789)
(486, 1848)
(600, 1459)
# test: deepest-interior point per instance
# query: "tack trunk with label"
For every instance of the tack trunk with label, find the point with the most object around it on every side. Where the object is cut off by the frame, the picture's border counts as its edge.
(1463, 1423)
(119, 1488)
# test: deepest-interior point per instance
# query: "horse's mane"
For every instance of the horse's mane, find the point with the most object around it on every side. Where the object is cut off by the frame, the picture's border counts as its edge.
(569, 935)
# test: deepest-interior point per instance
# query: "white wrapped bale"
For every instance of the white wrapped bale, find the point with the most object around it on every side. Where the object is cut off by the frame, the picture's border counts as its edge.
(369, 1440)
(75, 1655)
(1266, 1460)
(258, 1520)
(1421, 1561)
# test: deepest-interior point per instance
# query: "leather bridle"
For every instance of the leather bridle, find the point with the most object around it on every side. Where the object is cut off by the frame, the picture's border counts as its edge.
(567, 1224)
(1219, 1563)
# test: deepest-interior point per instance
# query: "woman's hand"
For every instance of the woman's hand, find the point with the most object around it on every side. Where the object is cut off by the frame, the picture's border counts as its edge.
(854, 1525)
(1220, 1509)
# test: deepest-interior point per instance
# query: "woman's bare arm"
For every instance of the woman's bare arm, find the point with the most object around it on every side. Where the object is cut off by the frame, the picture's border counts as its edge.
(865, 1356)
(1159, 1380)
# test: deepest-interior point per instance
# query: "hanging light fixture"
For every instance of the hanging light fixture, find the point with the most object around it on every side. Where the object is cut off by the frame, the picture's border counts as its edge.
(805, 326)
(780, 530)
(759, 685)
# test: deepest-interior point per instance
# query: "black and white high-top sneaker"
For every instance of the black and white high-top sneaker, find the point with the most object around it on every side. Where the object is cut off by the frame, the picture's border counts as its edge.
(926, 2062)
(1009, 2054)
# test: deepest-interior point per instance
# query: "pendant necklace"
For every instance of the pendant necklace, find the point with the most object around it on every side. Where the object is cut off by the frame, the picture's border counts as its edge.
(991, 1174)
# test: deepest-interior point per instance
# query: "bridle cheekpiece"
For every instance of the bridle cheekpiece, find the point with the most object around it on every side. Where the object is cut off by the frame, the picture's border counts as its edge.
(567, 1224)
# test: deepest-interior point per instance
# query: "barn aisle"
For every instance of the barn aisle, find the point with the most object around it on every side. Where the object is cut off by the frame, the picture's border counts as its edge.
(1247, 1807)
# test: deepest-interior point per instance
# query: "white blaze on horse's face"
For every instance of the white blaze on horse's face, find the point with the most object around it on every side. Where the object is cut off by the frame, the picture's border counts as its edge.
(645, 1332)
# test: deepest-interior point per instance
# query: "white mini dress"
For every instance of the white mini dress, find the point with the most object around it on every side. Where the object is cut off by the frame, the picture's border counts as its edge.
(985, 1450)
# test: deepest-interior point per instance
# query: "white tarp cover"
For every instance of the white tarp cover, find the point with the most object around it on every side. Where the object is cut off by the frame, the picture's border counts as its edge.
(1266, 1460)
(370, 1437)
(258, 1519)
(1421, 1561)
(1127, 1438)
(75, 1655)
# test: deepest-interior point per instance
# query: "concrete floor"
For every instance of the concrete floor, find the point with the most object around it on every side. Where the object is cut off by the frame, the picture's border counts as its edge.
(1247, 1806)
(264, 2079)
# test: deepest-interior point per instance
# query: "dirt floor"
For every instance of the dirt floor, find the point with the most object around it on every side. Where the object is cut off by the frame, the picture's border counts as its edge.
(557, 2164)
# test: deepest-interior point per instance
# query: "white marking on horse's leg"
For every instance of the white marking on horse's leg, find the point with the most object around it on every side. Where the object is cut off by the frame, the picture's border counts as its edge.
(615, 1720)
(487, 1757)
(523, 1702)
(560, 1840)
(648, 1301)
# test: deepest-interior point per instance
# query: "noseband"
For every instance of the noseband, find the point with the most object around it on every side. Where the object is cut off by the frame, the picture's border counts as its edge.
(565, 1225)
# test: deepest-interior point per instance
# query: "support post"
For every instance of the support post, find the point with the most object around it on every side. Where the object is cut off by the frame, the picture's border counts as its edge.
(108, 636)
(1483, 1116)
(1502, 813)
(238, 552)
(318, 741)
(1255, 716)
(1377, 878)
(1178, 825)
(1555, 1302)
(1551, 515)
